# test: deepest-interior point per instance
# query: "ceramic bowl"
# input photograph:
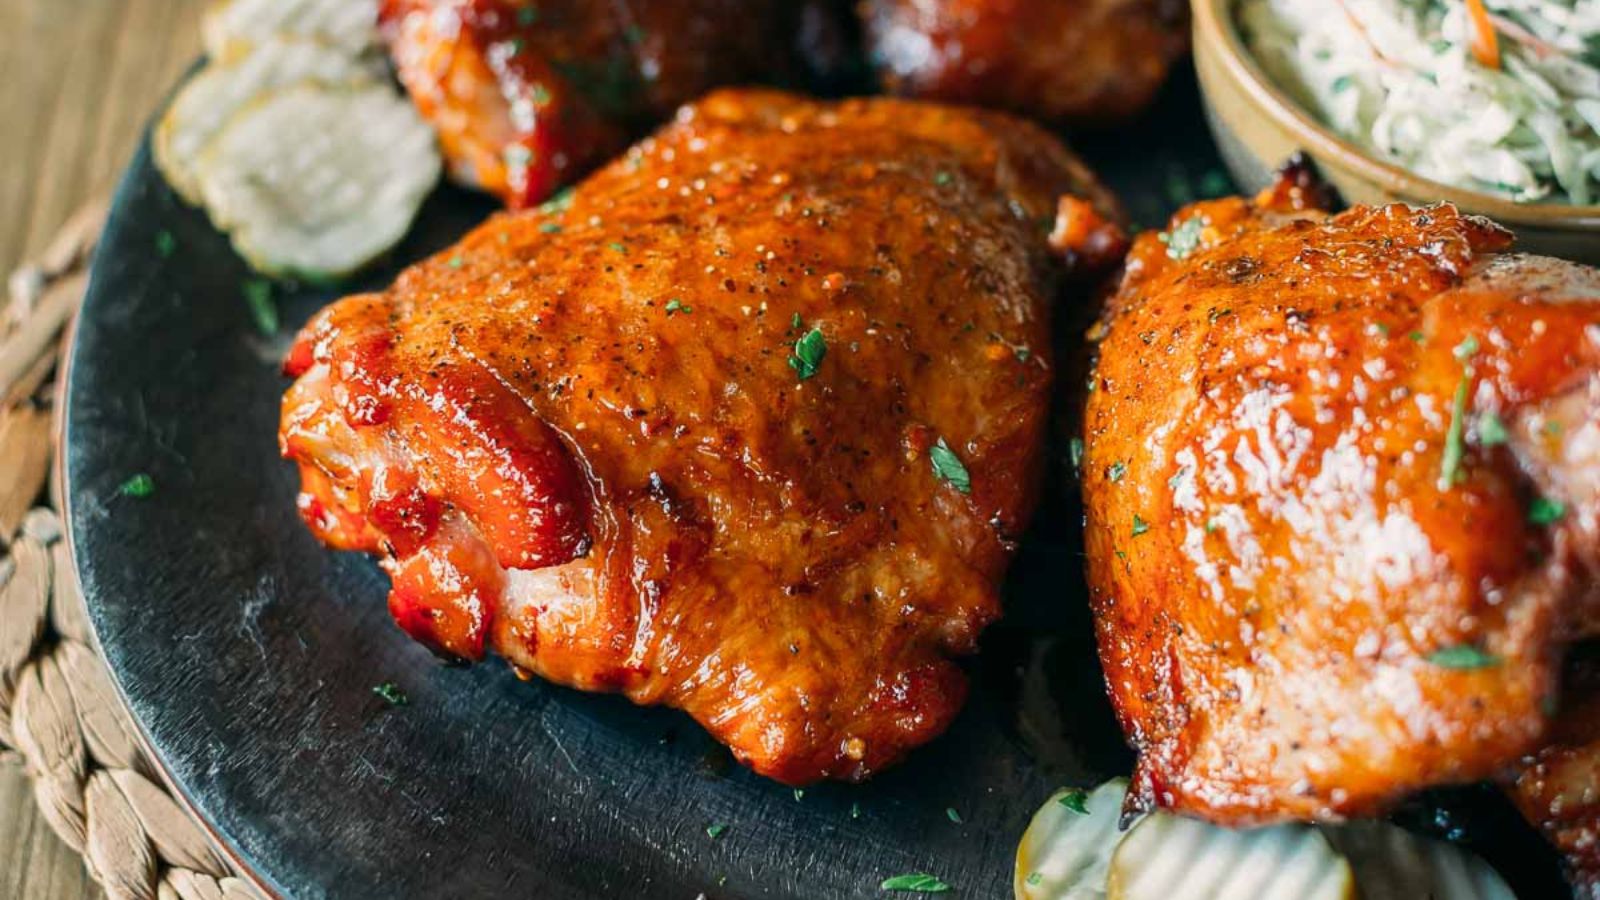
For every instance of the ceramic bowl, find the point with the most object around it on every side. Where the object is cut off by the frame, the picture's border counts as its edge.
(1258, 125)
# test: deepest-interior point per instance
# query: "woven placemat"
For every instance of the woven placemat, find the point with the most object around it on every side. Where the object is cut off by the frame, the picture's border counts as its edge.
(58, 709)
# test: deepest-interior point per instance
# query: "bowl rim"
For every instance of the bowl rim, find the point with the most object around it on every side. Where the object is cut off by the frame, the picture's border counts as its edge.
(1215, 23)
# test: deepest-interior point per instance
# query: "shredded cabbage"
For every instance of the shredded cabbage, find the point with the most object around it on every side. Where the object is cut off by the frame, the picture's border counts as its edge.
(1399, 78)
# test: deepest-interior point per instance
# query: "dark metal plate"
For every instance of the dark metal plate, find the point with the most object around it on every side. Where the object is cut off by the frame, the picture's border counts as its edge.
(248, 653)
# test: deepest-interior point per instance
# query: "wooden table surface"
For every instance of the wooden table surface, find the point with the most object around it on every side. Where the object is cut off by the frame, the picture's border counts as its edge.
(78, 79)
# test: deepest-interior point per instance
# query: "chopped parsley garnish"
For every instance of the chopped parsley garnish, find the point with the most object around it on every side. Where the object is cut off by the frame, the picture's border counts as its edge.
(799, 794)
(1463, 656)
(550, 228)
(951, 814)
(1140, 526)
(166, 244)
(1455, 448)
(808, 353)
(263, 311)
(1544, 511)
(138, 486)
(676, 306)
(855, 810)
(391, 694)
(1455, 445)
(1116, 470)
(1075, 450)
(947, 466)
(1184, 239)
(919, 882)
(559, 203)
(527, 15)
(1591, 50)
(1342, 83)
(715, 830)
(1418, 336)
(1491, 430)
(1034, 878)
(1075, 800)
(943, 178)
(456, 262)
(618, 246)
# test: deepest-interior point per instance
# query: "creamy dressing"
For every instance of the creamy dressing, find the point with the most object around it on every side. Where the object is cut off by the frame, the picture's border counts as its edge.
(1401, 79)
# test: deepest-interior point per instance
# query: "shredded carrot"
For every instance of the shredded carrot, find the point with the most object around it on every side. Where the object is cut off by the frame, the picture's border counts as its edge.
(1485, 42)
(1540, 47)
(1361, 29)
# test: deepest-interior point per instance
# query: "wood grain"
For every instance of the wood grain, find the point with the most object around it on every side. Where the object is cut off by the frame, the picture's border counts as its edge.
(78, 80)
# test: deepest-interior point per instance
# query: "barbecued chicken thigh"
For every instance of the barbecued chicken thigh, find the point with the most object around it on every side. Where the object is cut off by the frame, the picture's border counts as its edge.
(1342, 479)
(746, 427)
(1072, 61)
(528, 96)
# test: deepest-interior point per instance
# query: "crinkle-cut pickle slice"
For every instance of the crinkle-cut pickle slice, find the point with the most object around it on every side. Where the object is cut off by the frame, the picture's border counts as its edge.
(1065, 852)
(1073, 850)
(205, 105)
(316, 182)
(1394, 864)
(233, 28)
(1168, 857)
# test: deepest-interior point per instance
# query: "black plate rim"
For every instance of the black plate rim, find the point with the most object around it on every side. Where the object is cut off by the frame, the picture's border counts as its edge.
(101, 290)
(122, 201)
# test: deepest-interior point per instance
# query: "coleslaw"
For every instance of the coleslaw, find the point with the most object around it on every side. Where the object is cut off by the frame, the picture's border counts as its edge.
(1413, 82)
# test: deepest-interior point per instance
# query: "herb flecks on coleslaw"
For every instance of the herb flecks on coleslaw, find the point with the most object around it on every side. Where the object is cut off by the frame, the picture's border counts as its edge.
(1401, 79)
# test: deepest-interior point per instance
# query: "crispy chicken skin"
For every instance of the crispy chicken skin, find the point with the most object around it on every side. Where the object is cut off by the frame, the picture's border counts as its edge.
(601, 440)
(1071, 61)
(1342, 503)
(1558, 788)
(527, 96)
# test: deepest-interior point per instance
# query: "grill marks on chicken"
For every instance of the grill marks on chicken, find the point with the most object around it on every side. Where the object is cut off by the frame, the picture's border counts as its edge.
(600, 440)
(1078, 61)
(1341, 508)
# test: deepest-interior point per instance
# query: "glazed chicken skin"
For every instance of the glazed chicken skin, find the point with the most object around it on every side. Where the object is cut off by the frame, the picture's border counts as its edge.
(1558, 788)
(527, 96)
(747, 427)
(1066, 61)
(1342, 493)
